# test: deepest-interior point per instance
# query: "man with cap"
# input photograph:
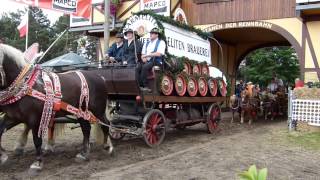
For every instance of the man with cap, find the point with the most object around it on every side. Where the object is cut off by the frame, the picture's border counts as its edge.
(152, 53)
(131, 48)
(115, 52)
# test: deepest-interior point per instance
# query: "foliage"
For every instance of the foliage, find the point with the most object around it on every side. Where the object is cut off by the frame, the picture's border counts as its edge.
(42, 32)
(262, 63)
(254, 174)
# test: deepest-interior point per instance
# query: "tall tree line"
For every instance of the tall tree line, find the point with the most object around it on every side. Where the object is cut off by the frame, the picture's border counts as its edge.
(262, 63)
(41, 31)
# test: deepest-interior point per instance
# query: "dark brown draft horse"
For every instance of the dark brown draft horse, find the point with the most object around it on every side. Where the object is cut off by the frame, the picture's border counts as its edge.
(28, 110)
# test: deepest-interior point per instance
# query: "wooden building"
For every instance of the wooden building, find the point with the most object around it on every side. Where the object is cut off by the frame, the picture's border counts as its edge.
(245, 25)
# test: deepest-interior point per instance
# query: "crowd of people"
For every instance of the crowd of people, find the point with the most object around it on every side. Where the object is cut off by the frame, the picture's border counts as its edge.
(128, 50)
(273, 87)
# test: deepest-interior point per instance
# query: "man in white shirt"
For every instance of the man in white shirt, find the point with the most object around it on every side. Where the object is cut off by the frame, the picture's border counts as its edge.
(273, 86)
(152, 53)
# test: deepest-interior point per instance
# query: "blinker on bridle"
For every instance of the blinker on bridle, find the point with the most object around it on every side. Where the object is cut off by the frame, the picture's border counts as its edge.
(3, 77)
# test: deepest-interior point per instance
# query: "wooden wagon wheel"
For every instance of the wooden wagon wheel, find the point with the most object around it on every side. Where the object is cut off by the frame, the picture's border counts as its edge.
(213, 117)
(196, 69)
(166, 85)
(154, 126)
(205, 69)
(180, 85)
(203, 86)
(192, 86)
(213, 87)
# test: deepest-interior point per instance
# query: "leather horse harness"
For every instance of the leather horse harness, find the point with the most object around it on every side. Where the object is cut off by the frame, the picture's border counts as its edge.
(23, 85)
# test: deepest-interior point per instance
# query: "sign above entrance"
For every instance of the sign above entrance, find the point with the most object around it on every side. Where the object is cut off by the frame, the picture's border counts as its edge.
(245, 24)
(161, 7)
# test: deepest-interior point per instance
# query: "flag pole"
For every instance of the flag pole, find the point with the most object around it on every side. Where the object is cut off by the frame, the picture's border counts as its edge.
(27, 34)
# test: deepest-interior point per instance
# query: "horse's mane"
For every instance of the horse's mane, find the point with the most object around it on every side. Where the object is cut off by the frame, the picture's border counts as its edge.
(12, 53)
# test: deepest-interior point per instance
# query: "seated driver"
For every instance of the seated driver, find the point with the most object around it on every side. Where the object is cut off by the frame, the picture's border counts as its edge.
(152, 53)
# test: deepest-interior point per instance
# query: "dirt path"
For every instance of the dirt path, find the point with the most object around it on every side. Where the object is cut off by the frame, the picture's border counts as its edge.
(189, 154)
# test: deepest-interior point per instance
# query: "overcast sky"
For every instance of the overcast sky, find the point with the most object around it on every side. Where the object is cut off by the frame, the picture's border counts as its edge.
(10, 6)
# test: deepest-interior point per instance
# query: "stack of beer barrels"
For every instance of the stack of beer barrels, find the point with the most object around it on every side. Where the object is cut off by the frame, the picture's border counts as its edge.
(190, 78)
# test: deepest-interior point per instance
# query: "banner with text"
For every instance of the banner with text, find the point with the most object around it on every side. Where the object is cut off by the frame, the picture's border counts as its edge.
(181, 42)
(161, 7)
(80, 8)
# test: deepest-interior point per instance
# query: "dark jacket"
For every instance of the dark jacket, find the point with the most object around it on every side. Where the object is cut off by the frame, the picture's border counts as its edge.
(129, 52)
(115, 52)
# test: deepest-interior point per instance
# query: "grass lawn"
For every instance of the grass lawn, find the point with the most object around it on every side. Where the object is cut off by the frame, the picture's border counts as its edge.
(308, 140)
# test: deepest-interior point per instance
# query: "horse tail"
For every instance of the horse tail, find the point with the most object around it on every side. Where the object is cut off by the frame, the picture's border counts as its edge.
(99, 135)
(59, 130)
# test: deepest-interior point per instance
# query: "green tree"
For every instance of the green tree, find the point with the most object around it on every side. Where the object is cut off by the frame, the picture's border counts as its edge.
(39, 29)
(262, 63)
(9, 32)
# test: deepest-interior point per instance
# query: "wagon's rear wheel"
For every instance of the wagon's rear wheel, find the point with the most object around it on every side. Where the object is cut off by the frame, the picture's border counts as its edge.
(154, 126)
(213, 118)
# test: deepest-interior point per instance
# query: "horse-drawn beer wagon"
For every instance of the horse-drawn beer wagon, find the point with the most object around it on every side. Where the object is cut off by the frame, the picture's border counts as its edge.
(182, 91)
(150, 114)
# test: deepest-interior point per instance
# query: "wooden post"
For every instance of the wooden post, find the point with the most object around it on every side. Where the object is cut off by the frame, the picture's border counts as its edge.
(106, 25)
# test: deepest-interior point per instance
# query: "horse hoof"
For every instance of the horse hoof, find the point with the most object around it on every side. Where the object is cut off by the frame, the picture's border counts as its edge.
(81, 158)
(48, 150)
(4, 158)
(18, 151)
(109, 149)
(35, 168)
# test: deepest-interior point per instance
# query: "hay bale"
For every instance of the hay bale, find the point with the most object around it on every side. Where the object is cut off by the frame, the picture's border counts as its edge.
(307, 93)
(305, 127)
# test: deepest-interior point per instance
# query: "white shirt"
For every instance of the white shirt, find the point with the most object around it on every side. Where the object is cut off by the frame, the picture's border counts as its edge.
(152, 44)
(273, 86)
(279, 82)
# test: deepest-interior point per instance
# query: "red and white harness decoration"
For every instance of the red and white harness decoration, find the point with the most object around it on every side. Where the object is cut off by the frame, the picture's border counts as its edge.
(84, 96)
(52, 98)
(53, 91)
(19, 88)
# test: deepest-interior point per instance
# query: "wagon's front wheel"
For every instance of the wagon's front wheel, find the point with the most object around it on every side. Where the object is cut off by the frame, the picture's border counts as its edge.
(213, 118)
(154, 126)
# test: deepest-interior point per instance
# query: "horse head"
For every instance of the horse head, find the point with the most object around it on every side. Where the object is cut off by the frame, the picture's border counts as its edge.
(234, 102)
(11, 63)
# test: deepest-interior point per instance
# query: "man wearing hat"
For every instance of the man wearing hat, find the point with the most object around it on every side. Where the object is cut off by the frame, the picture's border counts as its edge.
(131, 48)
(115, 52)
(152, 53)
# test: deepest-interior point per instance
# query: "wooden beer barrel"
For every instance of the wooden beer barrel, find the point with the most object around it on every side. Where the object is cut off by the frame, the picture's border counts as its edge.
(222, 87)
(180, 84)
(166, 84)
(213, 86)
(205, 70)
(192, 86)
(203, 86)
(196, 69)
(187, 67)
